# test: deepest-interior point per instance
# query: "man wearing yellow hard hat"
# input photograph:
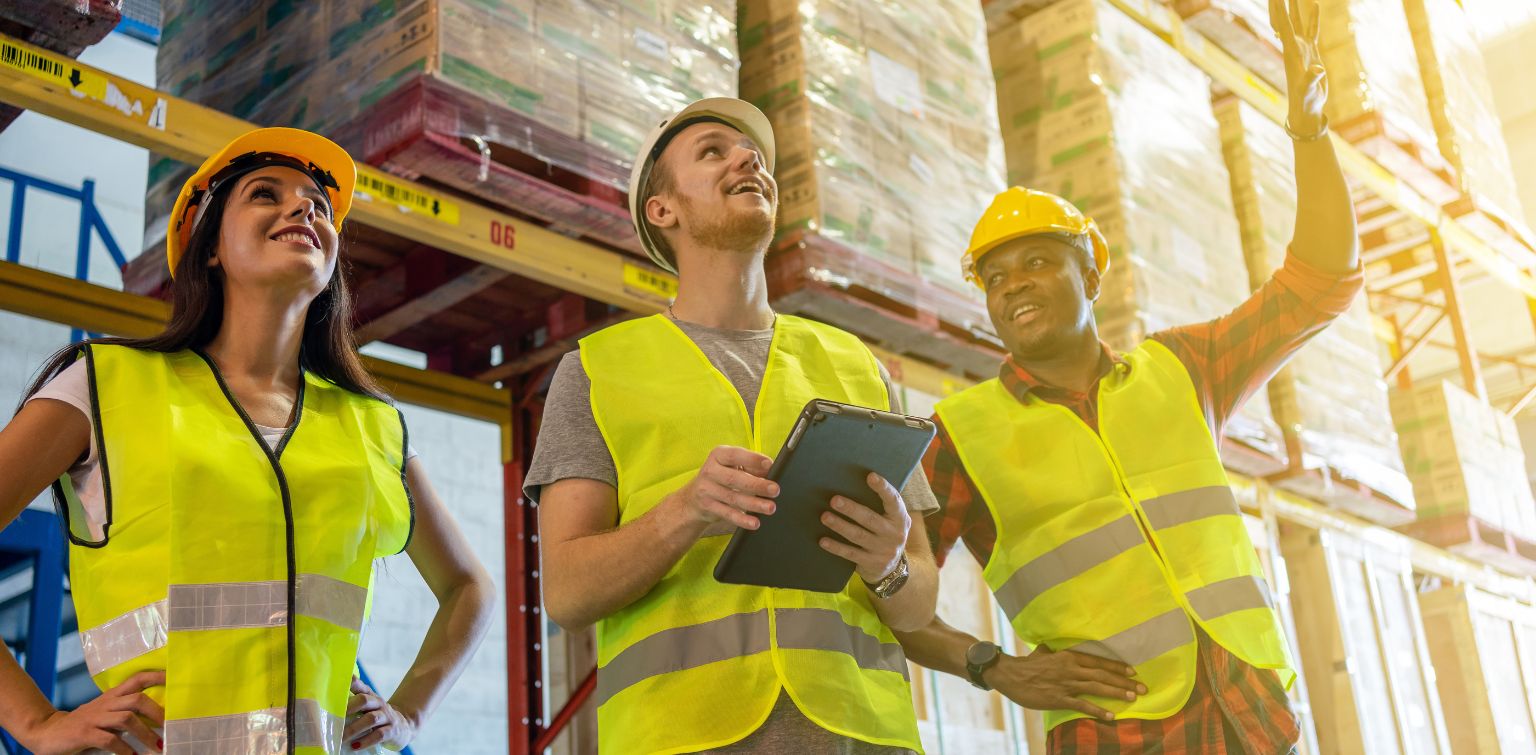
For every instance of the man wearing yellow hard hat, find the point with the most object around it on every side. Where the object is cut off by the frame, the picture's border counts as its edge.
(1088, 482)
(651, 453)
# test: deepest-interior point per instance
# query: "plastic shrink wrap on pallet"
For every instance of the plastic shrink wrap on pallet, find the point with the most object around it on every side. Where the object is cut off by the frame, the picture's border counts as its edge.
(1467, 124)
(888, 146)
(569, 85)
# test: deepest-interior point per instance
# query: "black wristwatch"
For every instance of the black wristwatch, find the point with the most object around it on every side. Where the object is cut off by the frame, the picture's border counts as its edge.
(980, 657)
(890, 583)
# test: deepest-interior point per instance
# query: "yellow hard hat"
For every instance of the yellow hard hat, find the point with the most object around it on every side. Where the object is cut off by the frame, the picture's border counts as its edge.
(324, 160)
(738, 114)
(1019, 212)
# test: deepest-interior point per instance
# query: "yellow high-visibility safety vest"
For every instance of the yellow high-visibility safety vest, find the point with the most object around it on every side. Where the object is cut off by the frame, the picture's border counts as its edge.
(1073, 567)
(696, 664)
(212, 542)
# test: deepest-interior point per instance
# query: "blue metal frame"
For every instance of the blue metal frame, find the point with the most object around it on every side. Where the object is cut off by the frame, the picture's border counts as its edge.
(37, 535)
(138, 30)
(91, 223)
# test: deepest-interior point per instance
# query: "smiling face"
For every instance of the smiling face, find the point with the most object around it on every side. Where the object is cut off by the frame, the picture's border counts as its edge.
(712, 190)
(277, 231)
(1040, 292)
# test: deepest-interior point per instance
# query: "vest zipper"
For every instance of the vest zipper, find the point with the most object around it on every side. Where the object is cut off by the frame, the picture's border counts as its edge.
(273, 456)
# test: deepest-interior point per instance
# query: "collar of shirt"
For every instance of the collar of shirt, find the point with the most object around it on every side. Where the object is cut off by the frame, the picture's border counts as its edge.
(1020, 382)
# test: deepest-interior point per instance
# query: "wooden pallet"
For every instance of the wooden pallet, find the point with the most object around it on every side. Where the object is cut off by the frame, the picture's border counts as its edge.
(819, 278)
(1334, 487)
(1418, 165)
(1505, 234)
(415, 133)
(1244, 459)
(1472, 537)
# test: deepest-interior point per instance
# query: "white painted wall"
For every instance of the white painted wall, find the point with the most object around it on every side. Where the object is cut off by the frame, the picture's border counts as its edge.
(462, 456)
(463, 461)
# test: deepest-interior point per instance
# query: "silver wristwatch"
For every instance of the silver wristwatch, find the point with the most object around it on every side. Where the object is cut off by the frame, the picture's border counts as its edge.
(890, 583)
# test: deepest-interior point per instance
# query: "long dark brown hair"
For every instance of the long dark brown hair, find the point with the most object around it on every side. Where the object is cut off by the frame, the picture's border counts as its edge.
(326, 349)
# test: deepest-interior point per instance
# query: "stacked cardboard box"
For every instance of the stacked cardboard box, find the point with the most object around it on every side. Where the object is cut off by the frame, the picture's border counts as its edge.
(1101, 111)
(1331, 395)
(1484, 651)
(1461, 105)
(1510, 58)
(1376, 98)
(1362, 645)
(1464, 458)
(886, 128)
(574, 83)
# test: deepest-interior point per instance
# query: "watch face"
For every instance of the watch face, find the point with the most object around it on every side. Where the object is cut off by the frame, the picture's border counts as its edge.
(981, 653)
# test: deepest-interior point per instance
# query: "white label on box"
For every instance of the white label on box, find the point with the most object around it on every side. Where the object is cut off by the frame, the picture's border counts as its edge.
(896, 85)
(920, 169)
(651, 43)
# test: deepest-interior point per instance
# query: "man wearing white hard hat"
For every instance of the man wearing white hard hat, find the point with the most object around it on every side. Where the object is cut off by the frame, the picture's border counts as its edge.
(649, 457)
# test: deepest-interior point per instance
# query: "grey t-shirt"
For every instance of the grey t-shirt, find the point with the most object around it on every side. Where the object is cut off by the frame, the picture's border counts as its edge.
(570, 445)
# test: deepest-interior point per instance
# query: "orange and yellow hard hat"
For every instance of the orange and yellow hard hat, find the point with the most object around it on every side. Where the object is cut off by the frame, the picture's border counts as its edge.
(322, 159)
(1019, 212)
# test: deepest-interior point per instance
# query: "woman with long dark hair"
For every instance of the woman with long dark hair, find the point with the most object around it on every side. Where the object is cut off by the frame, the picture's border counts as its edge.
(227, 486)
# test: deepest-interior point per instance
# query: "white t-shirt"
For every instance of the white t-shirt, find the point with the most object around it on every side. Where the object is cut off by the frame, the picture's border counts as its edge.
(72, 386)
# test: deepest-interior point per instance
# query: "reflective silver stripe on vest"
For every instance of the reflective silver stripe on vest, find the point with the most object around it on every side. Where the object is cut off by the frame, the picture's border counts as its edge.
(1190, 505)
(682, 648)
(824, 629)
(1066, 561)
(1143, 642)
(239, 605)
(341, 603)
(124, 638)
(741, 635)
(1229, 596)
(228, 605)
(261, 732)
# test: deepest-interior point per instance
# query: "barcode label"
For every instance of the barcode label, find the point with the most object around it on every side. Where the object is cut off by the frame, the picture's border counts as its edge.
(375, 186)
(53, 70)
(645, 281)
(16, 57)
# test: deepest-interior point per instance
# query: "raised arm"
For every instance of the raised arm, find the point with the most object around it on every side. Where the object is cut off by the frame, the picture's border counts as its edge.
(1325, 215)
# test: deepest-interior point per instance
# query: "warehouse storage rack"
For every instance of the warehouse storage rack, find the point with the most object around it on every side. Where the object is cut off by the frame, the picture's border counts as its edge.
(500, 249)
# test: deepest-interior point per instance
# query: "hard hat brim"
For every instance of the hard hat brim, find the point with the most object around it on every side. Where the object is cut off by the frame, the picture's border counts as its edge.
(301, 145)
(739, 114)
(1095, 237)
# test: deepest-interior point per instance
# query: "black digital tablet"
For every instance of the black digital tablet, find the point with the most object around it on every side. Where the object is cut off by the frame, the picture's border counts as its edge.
(830, 451)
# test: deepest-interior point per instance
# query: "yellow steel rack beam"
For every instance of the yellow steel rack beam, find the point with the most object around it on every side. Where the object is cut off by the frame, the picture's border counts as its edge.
(56, 298)
(1228, 72)
(59, 87)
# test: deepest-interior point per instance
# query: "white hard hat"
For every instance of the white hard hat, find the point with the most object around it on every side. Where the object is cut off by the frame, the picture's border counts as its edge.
(738, 114)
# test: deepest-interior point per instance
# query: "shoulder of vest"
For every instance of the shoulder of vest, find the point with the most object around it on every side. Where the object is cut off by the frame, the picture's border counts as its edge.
(117, 352)
(618, 331)
(314, 382)
(1157, 354)
(986, 389)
